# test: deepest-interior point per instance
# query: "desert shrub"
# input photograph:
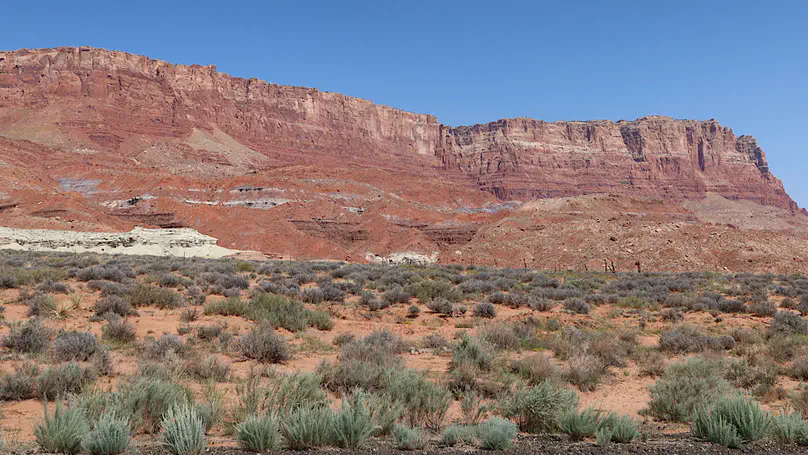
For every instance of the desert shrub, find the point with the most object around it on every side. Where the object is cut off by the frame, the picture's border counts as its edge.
(182, 431)
(789, 428)
(147, 400)
(320, 320)
(730, 421)
(110, 436)
(471, 351)
(799, 368)
(408, 438)
(788, 323)
(499, 298)
(296, 390)
(458, 434)
(485, 310)
(384, 411)
(60, 380)
(29, 338)
(74, 346)
(63, 432)
(433, 289)
(380, 347)
(622, 429)
(189, 315)
(496, 433)
(346, 375)
(144, 295)
(799, 400)
(434, 341)
(259, 433)
(782, 346)
(536, 368)
(279, 312)
(580, 424)
(425, 403)
(49, 286)
(441, 306)
(413, 311)
(473, 407)
(209, 369)
(538, 409)
(651, 363)
(353, 423)
(209, 332)
(312, 295)
(541, 304)
(683, 387)
(108, 272)
(264, 345)
(8, 282)
(576, 305)
(585, 372)
(308, 427)
(688, 339)
(332, 293)
(113, 304)
(41, 305)
(20, 385)
(230, 307)
(500, 336)
(765, 308)
(166, 345)
(396, 294)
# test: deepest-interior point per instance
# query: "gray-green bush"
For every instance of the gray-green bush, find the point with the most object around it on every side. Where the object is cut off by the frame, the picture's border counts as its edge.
(64, 431)
(110, 436)
(183, 432)
(259, 433)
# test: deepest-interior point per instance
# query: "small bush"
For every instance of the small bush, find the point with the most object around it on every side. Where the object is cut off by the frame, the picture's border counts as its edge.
(110, 436)
(29, 338)
(407, 438)
(473, 352)
(730, 421)
(64, 431)
(441, 306)
(162, 298)
(485, 310)
(685, 386)
(60, 380)
(259, 433)
(541, 304)
(538, 409)
(182, 431)
(77, 346)
(585, 371)
(788, 322)
(576, 305)
(458, 434)
(264, 345)
(230, 307)
(20, 385)
(496, 433)
(353, 424)
(189, 315)
(113, 304)
(308, 427)
(622, 429)
(765, 309)
(536, 368)
(165, 346)
(581, 424)
(396, 295)
(789, 428)
(148, 399)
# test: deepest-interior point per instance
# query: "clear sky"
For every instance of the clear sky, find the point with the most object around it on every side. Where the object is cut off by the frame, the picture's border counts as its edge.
(742, 62)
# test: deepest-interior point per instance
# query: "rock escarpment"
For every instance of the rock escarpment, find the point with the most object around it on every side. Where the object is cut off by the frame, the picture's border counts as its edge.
(98, 140)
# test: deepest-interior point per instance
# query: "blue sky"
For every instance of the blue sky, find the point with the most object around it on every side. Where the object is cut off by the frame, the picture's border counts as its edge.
(744, 63)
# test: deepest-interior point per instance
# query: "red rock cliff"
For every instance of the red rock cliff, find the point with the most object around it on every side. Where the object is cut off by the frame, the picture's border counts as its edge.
(131, 106)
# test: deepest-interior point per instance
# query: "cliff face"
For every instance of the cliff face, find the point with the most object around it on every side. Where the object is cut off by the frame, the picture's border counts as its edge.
(123, 103)
(96, 140)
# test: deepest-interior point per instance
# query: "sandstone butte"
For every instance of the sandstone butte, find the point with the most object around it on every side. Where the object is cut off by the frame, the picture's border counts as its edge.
(98, 140)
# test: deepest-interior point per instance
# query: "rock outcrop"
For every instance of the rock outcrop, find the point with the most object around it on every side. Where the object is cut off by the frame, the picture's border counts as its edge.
(98, 140)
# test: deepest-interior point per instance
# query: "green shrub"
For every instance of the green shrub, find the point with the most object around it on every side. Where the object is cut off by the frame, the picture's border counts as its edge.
(471, 351)
(29, 338)
(60, 380)
(621, 429)
(64, 431)
(110, 436)
(485, 310)
(147, 400)
(264, 345)
(353, 424)
(20, 385)
(407, 438)
(496, 433)
(295, 391)
(431, 289)
(536, 368)
(320, 320)
(182, 430)
(230, 307)
(580, 424)
(425, 403)
(789, 428)
(259, 433)
(279, 311)
(730, 421)
(308, 427)
(683, 387)
(603, 436)
(385, 411)
(458, 434)
(144, 295)
(538, 409)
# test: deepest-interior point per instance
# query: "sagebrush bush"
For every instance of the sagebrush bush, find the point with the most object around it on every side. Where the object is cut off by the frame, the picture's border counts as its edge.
(536, 368)
(64, 431)
(113, 304)
(165, 346)
(789, 323)
(264, 345)
(458, 434)
(407, 438)
(538, 409)
(145, 295)
(60, 380)
(622, 429)
(182, 430)
(485, 310)
(279, 311)
(77, 346)
(425, 402)
(147, 400)
(230, 307)
(259, 433)
(789, 428)
(308, 427)
(683, 387)
(471, 351)
(576, 305)
(353, 423)
(580, 424)
(496, 433)
(585, 371)
(119, 330)
(29, 338)
(110, 436)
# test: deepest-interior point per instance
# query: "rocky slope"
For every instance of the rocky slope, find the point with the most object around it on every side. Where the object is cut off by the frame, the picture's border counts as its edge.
(92, 139)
